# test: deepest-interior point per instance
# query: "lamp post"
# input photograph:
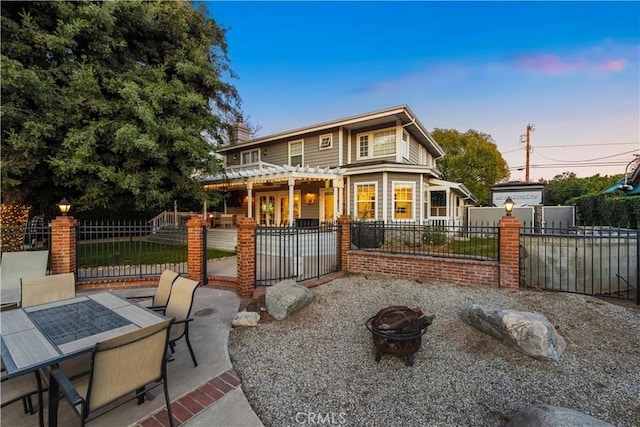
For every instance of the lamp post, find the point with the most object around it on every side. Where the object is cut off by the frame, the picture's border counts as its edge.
(508, 206)
(64, 205)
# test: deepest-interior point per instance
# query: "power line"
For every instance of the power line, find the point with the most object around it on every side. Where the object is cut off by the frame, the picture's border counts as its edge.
(586, 160)
(587, 145)
(562, 165)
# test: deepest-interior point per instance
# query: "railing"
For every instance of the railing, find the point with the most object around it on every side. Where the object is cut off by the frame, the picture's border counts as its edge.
(297, 253)
(171, 219)
(128, 249)
(251, 166)
(602, 261)
(468, 242)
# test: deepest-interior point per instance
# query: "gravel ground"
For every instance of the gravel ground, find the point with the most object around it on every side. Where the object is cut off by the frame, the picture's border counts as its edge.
(317, 366)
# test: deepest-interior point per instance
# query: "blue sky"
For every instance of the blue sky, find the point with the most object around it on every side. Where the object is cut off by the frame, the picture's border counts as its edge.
(571, 69)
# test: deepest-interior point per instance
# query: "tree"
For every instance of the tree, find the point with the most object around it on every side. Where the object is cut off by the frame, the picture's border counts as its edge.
(471, 158)
(566, 186)
(106, 103)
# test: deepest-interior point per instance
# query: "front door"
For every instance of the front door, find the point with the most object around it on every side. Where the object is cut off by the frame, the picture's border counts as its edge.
(327, 205)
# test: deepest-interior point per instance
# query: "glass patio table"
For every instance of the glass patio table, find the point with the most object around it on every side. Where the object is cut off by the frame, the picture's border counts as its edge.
(39, 336)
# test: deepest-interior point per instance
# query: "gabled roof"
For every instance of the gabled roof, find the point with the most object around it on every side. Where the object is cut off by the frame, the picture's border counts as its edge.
(402, 113)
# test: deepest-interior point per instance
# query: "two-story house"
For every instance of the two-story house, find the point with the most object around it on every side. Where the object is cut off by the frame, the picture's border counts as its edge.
(374, 166)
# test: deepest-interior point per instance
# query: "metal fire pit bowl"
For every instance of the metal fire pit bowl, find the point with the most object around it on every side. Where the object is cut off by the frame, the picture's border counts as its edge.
(398, 330)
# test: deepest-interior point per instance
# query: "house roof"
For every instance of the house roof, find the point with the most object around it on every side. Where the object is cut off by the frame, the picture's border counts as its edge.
(629, 186)
(402, 113)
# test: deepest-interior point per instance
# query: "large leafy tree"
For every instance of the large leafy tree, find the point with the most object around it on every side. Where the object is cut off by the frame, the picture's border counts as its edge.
(473, 159)
(107, 103)
(564, 187)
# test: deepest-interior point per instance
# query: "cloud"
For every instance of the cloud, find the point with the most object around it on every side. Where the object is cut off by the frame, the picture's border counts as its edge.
(597, 60)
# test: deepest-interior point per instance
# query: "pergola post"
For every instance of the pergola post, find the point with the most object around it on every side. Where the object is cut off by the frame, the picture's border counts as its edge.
(250, 199)
(292, 185)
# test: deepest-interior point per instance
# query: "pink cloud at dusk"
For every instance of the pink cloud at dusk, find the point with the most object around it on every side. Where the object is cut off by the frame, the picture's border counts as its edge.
(553, 65)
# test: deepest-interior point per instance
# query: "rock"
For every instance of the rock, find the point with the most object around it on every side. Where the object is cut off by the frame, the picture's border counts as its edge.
(285, 298)
(553, 416)
(246, 318)
(531, 333)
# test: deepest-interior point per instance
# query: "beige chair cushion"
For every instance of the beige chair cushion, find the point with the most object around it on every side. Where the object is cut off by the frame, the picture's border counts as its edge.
(164, 287)
(180, 303)
(13, 389)
(126, 363)
(41, 290)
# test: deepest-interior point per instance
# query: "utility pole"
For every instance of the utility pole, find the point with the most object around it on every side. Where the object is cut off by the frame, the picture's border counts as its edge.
(529, 130)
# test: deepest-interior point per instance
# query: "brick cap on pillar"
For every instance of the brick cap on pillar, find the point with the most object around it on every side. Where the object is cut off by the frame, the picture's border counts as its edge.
(196, 220)
(345, 219)
(509, 221)
(63, 221)
(247, 222)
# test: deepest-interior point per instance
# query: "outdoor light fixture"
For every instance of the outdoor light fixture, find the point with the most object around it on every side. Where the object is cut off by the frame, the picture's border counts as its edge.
(64, 205)
(235, 157)
(310, 199)
(508, 206)
(264, 152)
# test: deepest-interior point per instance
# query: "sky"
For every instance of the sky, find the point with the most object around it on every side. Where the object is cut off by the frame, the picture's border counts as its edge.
(570, 69)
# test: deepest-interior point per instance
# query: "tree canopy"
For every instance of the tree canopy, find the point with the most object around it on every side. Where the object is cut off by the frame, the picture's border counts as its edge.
(566, 186)
(472, 158)
(106, 103)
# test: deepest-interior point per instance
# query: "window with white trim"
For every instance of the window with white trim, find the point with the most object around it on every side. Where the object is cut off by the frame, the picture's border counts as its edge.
(438, 203)
(405, 144)
(377, 144)
(295, 153)
(403, 202)
(326, 141)
(250, 157)
(365, 200)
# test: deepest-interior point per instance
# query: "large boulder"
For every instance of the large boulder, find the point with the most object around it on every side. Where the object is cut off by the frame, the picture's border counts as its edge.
(530, 333)
(285, 298)
(553, 416)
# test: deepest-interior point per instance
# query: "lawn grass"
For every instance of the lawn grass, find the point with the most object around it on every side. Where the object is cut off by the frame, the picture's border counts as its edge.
(476, 246)
(132, 253)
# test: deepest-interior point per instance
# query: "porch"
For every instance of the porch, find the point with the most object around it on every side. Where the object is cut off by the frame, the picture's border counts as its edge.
(277, 195)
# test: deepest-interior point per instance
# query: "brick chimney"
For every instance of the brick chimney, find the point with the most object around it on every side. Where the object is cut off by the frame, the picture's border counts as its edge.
(241, 132)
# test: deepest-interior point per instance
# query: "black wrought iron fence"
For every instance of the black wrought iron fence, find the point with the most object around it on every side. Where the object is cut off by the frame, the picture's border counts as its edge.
(600, 260)
(471, 242)
(129, 249)
(297, 253)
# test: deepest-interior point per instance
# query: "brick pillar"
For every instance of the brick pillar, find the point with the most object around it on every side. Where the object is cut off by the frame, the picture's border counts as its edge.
(195, 247)
(246, 256)
(345, 241)
(63, 244)
(509, 248)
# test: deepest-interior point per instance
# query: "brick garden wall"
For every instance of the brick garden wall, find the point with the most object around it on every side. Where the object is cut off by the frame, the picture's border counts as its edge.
(457, 271)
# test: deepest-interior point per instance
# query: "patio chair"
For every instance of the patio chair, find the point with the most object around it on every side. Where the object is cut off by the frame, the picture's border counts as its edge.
(120, 367)
(161, 297)
(41, 290)
(17, 265)
(179, 306)
(21, 389)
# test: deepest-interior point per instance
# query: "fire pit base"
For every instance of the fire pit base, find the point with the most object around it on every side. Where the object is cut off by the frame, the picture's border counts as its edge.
(409, 359)
(398, 330)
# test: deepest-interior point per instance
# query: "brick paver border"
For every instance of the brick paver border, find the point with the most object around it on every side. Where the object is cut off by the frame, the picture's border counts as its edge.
(191, 404)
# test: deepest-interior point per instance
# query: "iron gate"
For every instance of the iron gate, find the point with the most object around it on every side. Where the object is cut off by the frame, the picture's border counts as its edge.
(599, 261)
(298, 253)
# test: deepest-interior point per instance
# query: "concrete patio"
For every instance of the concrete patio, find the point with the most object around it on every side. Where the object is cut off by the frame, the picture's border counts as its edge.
(207, 395)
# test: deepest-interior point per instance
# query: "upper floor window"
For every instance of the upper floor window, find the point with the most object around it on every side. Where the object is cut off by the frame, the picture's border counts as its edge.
(405, 145)
(383, 143)
(326, 141)
(295, 153)
(250, 157)
(403, 200)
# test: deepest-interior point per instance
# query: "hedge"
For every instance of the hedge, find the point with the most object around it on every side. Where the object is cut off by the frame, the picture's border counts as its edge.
(606, 210)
